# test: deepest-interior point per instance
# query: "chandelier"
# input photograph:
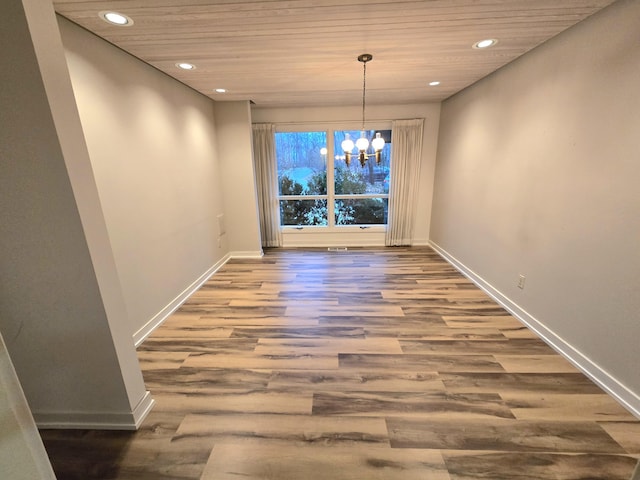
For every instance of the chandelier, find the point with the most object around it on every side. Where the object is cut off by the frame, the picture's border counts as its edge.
(362, 144)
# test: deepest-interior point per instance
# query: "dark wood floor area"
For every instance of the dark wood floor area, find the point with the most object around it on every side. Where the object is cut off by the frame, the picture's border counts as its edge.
(365, 364)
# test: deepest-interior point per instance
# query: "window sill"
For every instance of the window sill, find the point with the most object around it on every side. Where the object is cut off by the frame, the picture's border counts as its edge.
(343, 236)
(317, 229)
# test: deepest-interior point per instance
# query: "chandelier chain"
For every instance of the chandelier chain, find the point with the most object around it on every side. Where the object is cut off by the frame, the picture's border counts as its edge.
(364, 90)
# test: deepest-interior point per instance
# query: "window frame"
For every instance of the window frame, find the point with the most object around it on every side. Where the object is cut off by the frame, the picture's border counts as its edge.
(331, 196)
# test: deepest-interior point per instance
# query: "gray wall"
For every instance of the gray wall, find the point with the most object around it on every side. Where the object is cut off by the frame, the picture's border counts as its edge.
(537, 174)
(153, 147)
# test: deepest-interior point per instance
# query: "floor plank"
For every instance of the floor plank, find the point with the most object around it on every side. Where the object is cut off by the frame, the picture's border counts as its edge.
(357, 381)
(416, 362)
(507, 435)
(536, 406)
(325, 346)
(283, 430)
(474, 465)
(418, 404)
(233, 461)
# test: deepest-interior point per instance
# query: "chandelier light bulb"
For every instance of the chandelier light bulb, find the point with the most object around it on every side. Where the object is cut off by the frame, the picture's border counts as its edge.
(347, 143)
(362, 143)
(378, 142)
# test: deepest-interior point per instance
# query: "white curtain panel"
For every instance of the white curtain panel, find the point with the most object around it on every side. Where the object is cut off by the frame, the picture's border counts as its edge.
(264, 154)
(405, 174)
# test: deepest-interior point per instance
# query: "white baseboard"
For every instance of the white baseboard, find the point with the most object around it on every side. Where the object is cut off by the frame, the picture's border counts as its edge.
(143, 408)
(96, 421)
(141, 335)
(624, 396)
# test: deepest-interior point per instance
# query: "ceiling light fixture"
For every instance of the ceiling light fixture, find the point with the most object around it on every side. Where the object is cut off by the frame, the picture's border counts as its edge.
(363, 143)
(490, 42)
(115, 18)
(434, 83)
(186, 66)
(221, 90)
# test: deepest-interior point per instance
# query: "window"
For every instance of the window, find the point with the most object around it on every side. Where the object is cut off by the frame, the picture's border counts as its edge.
(361, 193)
(302, 178)
(317, 188)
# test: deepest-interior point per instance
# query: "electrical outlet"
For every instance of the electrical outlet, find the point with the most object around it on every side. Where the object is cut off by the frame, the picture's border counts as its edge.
(222, 229)
(521, 280)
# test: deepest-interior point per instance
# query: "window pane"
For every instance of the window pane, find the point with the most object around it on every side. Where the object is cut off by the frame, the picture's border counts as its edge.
(355, 179)
(302, 167)
(303, 212)
(362, 211)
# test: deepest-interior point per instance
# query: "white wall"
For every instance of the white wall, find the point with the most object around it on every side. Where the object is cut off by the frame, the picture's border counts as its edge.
(351, 117)
(537, 174)
(152, 143)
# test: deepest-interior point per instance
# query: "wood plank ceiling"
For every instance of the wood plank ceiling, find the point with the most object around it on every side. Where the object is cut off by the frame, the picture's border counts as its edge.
(281, 53)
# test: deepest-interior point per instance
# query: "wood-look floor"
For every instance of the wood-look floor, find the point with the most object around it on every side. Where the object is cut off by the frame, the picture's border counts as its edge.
(365, 364)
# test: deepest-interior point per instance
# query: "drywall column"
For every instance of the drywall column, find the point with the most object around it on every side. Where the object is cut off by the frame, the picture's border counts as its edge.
(235, 151)
(62, 314)
(22, 454)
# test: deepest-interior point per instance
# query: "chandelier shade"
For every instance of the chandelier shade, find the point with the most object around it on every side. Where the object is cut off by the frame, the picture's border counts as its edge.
(347, 144)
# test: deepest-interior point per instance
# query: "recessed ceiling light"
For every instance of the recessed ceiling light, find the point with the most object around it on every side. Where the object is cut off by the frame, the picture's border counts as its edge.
(115, 18)
(434, 83)
(186, 66)
(490, 42)
(221, 90)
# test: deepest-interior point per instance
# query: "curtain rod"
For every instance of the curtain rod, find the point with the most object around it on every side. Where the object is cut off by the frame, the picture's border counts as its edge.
(335, 122)
(325, 122)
